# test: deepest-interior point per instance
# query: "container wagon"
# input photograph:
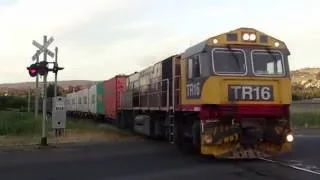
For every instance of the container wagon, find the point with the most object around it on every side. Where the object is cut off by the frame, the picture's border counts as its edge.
(112, 94)
(100, 101)
(92, 101)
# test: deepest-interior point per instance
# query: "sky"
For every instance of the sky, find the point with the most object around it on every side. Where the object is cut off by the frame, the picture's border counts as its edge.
(98, 39)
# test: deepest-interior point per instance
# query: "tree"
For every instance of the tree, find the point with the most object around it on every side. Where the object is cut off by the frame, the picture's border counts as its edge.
(50, 90)
(318, 76)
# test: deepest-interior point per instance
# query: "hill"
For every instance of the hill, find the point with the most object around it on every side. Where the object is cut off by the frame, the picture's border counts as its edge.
(305, 84)
(306, 77)
(64, 84)
(22, 88)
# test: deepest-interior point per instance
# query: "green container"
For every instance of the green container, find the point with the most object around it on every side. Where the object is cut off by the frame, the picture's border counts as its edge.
(100, 100)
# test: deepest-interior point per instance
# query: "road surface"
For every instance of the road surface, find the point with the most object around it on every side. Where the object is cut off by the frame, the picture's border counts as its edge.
(145, 159)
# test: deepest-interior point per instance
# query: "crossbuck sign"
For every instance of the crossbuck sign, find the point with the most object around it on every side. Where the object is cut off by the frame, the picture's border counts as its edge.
(42, 48)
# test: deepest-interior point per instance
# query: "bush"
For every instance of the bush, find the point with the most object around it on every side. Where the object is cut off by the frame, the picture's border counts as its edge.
(309, 118)
(19, 123)
(13, 102)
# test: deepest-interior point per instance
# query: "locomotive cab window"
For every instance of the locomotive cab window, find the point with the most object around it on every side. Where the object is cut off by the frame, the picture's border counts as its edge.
(267, 63)
(229, 61)
(194, 67)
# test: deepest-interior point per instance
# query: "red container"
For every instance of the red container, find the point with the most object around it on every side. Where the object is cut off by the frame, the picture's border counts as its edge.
(113, 90)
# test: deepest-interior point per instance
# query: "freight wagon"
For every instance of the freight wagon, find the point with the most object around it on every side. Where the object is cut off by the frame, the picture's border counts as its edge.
(100, 101)
(113, 90)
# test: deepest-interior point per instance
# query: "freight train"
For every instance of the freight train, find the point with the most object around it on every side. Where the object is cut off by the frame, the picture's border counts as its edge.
(227, 96)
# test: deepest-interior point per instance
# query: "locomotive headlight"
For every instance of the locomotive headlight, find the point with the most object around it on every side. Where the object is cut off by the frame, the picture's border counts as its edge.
(245, 36)
(276, 44)
(253, 37)
(289, 137)
(207, 138)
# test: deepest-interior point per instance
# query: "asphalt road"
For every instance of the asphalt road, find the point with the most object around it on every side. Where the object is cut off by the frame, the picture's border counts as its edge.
(145, 159)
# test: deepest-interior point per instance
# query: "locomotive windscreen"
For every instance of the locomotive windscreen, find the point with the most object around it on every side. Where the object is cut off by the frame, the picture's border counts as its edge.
(227, 61)
(267, 63)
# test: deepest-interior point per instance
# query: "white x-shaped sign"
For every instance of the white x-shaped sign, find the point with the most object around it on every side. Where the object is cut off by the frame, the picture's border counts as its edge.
(42, 48)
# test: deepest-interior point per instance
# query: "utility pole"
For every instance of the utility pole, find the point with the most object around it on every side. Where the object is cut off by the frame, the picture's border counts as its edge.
(42, 69)
(57, 131)
(56, 73)
(37, 93)
(29, 94)
(44, 104)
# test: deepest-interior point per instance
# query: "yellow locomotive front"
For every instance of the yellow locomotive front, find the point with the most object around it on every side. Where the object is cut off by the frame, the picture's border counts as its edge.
(239, 83)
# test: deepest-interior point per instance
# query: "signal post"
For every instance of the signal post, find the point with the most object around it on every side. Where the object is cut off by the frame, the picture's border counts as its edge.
(42, 69)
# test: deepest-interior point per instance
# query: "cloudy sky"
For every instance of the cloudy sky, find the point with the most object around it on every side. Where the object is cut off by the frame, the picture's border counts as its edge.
(100, 38)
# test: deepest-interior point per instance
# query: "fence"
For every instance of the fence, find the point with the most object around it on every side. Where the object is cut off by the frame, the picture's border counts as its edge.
(303, 106)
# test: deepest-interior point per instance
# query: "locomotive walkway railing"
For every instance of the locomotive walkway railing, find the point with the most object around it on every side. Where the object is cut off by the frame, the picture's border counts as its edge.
(157, 95)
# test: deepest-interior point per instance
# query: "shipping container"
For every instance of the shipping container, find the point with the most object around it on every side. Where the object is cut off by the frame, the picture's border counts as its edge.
(68, 102)
(100, 98)
(82, 97)
(113, 91)
(74, 102)
(92, 99)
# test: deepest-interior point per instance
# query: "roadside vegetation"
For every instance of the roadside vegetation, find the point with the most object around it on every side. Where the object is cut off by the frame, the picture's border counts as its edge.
(305, 119)
(17, 126)
(24, 123)
(22, 128)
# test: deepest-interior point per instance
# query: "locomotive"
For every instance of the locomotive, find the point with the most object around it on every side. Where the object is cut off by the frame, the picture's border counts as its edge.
(227, 96)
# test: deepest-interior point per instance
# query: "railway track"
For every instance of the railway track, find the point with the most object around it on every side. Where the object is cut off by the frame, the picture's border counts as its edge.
(291, 170)
(297, 165)
(294, 165)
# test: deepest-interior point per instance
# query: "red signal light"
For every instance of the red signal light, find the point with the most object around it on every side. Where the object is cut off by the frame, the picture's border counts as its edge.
(38, 68)
(43, 69)
(33, 70)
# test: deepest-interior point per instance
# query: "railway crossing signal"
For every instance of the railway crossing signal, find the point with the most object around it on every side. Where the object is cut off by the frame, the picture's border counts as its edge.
(41, 68)
(56, 68)
(43, 48)
(33, 70)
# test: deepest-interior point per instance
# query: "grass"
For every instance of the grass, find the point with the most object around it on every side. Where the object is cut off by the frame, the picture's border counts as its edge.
(18, 123)
(305, 119)
(21, 128)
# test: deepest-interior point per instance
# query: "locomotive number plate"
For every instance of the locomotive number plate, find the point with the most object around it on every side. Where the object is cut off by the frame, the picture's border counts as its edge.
(250, 93)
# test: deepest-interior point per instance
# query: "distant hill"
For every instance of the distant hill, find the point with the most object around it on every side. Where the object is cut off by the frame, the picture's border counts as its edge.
(303, 80)
(65, 84)
(17, 88)
(306, 77)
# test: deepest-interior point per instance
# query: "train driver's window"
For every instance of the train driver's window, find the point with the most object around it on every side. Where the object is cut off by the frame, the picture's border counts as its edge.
(267, 63)
(194, 67)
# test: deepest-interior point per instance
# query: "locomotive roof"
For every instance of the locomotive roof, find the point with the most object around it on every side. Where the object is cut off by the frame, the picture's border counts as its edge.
(234, 37)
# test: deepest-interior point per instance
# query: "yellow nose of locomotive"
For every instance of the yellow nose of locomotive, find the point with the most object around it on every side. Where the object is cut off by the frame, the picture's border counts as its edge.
(240, 90)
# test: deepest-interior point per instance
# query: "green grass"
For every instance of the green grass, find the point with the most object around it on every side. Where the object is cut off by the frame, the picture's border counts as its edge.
(22, 123)
(311, 119)
(18, 123)
(21, 128)
(25, 124)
